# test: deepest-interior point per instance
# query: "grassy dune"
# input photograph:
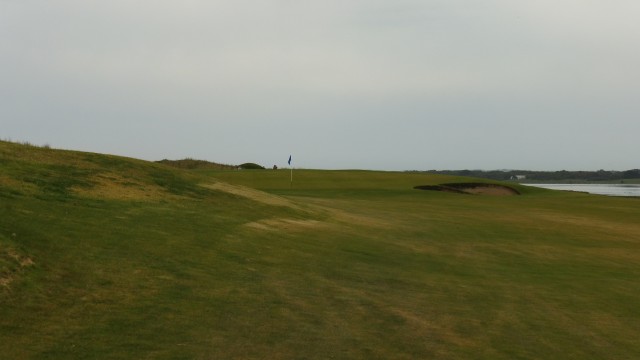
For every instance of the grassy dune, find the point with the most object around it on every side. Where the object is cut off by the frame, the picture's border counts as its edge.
(109, 257)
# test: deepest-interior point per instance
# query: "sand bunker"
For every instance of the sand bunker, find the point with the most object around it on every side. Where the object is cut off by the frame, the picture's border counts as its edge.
(472, 189)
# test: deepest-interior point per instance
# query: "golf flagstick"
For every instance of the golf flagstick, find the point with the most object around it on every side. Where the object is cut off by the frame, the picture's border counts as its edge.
(291, 167)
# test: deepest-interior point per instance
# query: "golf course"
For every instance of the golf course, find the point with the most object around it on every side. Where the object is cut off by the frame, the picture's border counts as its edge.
(107, 257)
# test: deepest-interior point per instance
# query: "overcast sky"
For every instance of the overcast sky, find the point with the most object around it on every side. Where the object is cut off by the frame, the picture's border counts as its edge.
(369, 84)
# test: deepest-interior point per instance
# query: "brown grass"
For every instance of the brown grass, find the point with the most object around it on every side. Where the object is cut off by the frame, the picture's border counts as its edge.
(252, 194)
(21, 186)
(22, 263)
(288, 225)
(116, 187)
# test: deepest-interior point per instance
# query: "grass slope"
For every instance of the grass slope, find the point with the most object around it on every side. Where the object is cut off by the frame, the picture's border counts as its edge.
(191, 164)
(108, 257)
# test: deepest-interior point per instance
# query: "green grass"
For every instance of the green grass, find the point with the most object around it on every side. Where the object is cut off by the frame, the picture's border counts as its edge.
(108, 257)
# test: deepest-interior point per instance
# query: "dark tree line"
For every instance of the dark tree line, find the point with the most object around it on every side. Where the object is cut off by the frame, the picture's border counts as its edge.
(600, 175)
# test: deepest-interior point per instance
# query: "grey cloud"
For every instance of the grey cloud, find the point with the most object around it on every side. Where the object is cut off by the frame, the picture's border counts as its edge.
(375, 84)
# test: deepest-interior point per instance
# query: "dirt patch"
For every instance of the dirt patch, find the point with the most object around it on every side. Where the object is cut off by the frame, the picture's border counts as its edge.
(472, 189)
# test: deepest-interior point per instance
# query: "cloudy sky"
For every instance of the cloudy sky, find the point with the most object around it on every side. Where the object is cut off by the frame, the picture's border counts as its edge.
(370, 84)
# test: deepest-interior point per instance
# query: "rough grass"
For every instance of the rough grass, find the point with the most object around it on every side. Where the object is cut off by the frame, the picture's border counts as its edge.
(343, 265)
(191, 164)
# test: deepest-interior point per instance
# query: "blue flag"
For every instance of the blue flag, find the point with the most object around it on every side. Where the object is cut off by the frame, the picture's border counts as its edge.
(289, 159)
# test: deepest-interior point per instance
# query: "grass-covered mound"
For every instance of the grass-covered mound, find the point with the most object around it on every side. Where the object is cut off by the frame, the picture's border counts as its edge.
(49, 174)
(109, 257)
(251, 166)
(192, 164)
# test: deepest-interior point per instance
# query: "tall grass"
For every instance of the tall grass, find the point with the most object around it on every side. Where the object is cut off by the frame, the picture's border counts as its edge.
(26, 143)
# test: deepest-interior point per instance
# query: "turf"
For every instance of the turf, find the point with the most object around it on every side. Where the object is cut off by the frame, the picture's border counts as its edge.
(108, 257)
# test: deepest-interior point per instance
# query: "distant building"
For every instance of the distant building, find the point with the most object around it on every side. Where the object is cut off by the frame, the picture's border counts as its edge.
(518, 177)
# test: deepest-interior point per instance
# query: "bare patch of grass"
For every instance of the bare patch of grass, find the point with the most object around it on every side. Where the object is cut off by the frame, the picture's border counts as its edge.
(335, 210)
(287, 225)
(117, 187)
(16, 185)
(12, 265)
(252, 194)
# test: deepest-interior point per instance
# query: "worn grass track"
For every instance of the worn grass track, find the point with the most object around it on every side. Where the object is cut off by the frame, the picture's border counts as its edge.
(107, 257)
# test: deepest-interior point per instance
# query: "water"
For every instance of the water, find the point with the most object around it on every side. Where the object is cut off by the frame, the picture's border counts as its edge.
(600, 189)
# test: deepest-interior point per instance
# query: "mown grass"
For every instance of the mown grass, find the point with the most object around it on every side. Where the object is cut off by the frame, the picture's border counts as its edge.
(347, 265)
